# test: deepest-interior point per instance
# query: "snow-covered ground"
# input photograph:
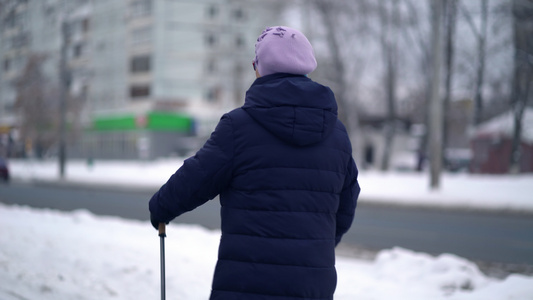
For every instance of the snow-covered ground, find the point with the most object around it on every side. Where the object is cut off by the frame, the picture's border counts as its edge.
(55, 255)
(46, 254)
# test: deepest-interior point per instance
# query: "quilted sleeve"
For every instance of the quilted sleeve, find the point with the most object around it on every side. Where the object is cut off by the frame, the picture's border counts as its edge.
(348, 201)
(201, 178)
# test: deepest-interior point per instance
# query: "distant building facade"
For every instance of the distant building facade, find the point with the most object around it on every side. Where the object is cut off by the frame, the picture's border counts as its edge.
(134, 59)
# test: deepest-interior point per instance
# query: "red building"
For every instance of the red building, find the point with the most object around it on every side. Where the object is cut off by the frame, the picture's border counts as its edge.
(491, 144)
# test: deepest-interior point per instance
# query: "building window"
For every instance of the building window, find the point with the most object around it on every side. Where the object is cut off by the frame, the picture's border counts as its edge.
(139, 91)
(141, 35)
(213, 94)
(15, 20)
(140, 8)
(18, 41)
(239, 41)
(9, 108)
(84, 92)
(7, 65)
(212, 11)
(10, 20)
(85, 25)
(78, 50)
(16, 63)
(211, 66)
(238, 14)
(211, 39)
(140, 64)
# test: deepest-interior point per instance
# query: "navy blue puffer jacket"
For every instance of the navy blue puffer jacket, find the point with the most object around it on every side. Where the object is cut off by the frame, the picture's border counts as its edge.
(283, 167)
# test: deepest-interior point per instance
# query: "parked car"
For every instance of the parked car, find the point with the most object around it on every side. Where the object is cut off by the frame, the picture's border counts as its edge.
(4, 170)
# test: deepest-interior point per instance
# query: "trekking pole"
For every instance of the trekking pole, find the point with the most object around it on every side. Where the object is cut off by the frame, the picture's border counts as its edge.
(162, 235)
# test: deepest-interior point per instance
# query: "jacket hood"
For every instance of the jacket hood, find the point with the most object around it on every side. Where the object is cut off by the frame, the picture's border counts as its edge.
(293, 107)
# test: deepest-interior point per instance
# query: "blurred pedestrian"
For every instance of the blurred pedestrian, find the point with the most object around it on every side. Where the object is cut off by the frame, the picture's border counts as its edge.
(283, 167)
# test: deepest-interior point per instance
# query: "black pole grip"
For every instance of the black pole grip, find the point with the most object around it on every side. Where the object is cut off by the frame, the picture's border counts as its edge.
(162, 230)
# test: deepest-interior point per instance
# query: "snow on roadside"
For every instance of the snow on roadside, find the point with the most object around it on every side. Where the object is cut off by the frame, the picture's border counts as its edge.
(467, 191)
(46, 254)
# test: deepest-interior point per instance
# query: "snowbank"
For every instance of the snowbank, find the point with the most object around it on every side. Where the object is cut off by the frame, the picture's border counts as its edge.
(47, 254)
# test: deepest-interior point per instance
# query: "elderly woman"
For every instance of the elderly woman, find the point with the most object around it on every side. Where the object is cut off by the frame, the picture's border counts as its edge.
(283, 167)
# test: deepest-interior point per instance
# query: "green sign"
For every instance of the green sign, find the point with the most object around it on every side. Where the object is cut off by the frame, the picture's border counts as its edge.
(155, 121)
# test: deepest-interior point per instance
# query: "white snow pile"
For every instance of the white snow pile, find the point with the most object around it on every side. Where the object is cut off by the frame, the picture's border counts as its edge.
(47, 254)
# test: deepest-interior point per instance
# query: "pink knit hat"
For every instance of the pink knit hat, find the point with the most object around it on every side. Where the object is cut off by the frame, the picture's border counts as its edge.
(283, 49)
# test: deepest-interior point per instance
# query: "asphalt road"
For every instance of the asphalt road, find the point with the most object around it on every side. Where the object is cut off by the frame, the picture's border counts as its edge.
(480, 236)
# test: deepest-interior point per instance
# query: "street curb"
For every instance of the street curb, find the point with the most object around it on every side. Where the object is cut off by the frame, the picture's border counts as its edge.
(446, 207)
(89, 185)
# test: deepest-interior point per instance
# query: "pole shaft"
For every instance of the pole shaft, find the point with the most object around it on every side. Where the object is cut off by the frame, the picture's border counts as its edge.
(162, 268)
(162, 235)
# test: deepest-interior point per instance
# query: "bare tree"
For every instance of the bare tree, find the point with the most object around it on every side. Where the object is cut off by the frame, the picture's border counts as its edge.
(343, 26)
(328, 10)
(37, 106)
(386, 39)
(389, 19)
(419, 39)
(481, 36)
(523, 73)
(374, 38)
(450, 16)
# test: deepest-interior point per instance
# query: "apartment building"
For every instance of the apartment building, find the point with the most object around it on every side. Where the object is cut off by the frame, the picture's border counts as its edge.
(27, 29)
(148, 76)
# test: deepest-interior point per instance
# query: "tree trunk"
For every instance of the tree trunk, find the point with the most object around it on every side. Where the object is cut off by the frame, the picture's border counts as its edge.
(63, 79)
(451, 13)
(389, 20)
(435, 134)
(523, 73)
(482, 41)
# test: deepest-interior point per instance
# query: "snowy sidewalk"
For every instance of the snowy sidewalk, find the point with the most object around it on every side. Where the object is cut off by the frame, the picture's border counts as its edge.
(459, 191)
(52, 255)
